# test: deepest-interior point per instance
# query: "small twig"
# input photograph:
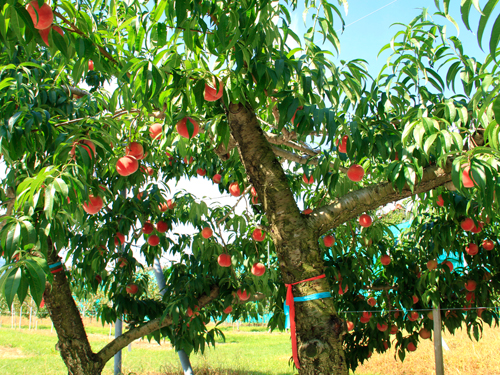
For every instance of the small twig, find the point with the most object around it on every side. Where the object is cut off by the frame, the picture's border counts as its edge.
(81, 33)
(234, 207)
(353, 233)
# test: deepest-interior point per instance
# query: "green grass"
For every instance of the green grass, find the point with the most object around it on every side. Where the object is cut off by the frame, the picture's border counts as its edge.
(250, 351)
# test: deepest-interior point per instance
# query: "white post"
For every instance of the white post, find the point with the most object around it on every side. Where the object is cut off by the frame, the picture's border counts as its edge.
(31, 312)
(118, 355)
(20, 316)
(438, 341)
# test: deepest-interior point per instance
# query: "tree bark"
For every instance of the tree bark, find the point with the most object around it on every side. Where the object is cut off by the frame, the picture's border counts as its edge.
(319, 328)
(73, 343)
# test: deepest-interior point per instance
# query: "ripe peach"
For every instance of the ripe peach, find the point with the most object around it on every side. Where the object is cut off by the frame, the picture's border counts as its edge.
(45, 33)
(201, 172)
(449, 264)
(258, 269)
(440, 201)
(41, 16)
(488, 245)
(243, 295)
(411, 347)
(430, 315)
(228, 310)
(307, 181)
(415, 299)
(342, 147)
(234, 189)
(470, 285)
(207, 232)
(258, 235)
(91, 65)
(355, 173)
(122, 262)
(467, 179)
(329, 241)
(119, 239)
(365, 220)
(224, 260)
(155, 131)
(385, 260)
(364, 319)
(432, 264)
(135, 150)
(182, 128)
(161, 227)
(217, 178)
(211, 93)
(477, 228)
(188, 161)
(153, 240)
(467, 224)
(126, 165)
(382, 327)
(171, 204)
(94, 205)
(372, 301)
(367, 314)
(255, 200)
(413, 316)
(253, 192)
(148, 228)
(343, 291)
(132, 288)
(394, 330)
(163, 207)
(307, 211)
(350, 326)
(472, 249)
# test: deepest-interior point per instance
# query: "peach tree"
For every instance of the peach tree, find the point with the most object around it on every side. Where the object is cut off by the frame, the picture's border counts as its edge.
(104, 105)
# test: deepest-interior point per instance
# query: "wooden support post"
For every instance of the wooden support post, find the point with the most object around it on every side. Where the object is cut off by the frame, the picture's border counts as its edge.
(438, 340)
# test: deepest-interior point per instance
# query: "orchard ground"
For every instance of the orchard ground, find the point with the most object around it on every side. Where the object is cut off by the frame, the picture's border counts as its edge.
(252, 350)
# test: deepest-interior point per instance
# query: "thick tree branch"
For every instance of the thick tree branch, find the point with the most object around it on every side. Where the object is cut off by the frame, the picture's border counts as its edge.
(75, 91)
(122, 341)
(356, 202)
(302, 159)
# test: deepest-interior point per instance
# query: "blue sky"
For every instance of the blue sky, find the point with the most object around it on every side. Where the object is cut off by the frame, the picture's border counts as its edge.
(369, 27)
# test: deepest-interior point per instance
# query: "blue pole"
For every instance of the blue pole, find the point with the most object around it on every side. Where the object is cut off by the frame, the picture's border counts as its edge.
(160, 279)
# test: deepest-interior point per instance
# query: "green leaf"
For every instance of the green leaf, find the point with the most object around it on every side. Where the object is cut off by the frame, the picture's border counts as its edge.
(488, 8)
(23, 288)
(12, 284)
(49, 201)
(37, 280)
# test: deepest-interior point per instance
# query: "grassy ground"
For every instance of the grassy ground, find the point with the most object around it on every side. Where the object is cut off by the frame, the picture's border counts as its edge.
(250, 351)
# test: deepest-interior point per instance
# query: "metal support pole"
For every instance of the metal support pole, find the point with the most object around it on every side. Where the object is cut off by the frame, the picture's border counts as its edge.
(160, 279)
(438, 341)
(118, 356)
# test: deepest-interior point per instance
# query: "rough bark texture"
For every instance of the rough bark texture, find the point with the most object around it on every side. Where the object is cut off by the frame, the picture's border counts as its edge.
(73, 343)
(319, 329)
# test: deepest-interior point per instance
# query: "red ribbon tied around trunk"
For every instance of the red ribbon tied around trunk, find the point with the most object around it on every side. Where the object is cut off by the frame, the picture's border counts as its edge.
(291, 304)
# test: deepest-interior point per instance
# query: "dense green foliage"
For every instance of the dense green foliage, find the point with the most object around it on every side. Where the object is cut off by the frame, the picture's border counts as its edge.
(431, 106)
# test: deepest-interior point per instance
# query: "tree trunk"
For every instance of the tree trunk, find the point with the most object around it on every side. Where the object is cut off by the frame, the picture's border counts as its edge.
(73, 342)
(318, 327)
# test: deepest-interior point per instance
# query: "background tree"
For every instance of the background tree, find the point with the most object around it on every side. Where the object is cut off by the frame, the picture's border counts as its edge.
(217, 81)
